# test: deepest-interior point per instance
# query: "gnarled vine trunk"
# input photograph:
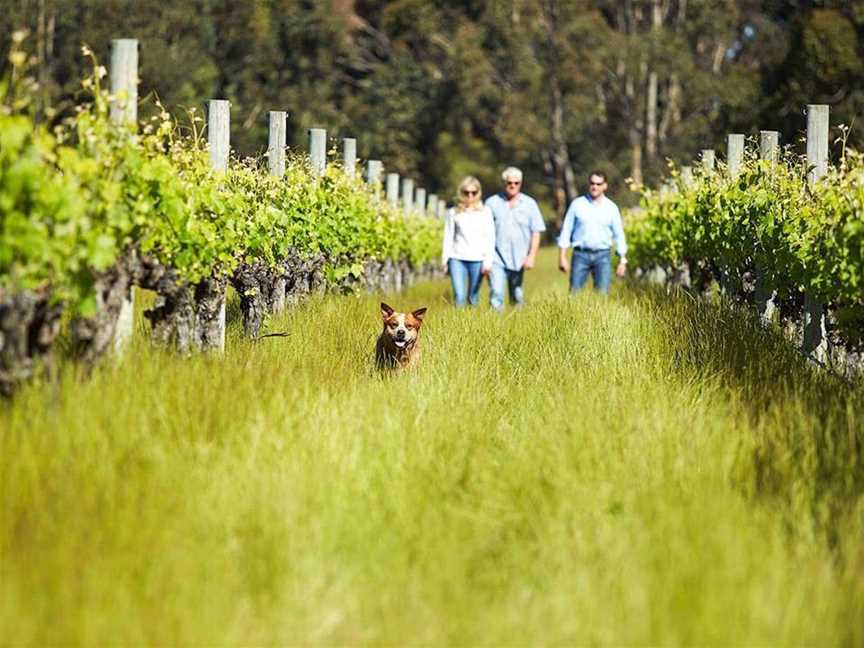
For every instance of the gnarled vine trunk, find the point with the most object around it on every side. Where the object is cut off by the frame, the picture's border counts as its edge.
(248, 281)
(304, 276)
(256, 286)
(29, 325)
(209, 331)
(172, 316)
(92, 336)
(189, 317)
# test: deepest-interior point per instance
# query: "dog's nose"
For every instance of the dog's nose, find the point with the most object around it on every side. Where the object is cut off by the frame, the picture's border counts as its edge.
(400, 334)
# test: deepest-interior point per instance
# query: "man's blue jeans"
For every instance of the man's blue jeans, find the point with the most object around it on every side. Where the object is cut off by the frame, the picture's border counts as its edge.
(500, 277)
(462, 273)
(596, 262)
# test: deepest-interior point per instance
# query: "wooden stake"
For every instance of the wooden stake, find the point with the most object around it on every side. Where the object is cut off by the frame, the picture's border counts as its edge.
(276, 143)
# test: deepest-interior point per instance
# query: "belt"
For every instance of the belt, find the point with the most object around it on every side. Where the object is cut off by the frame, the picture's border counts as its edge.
(585, 249)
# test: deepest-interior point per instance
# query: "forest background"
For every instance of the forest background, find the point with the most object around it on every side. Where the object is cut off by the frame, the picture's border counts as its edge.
(442, 88)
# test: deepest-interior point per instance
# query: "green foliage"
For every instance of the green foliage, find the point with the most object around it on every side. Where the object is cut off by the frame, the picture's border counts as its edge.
(44, 232)
(766, 217)
(50, 232)
(68, 209)
(410, 76)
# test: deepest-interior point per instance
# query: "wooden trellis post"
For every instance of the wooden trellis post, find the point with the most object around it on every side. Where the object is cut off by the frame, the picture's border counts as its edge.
(734, 153)
(815, 339)
(318, 151)
(124, 81)
(769, 150)
(420, 200)
(373, 174)
(276, 143)
(219, 139)
(769, 145)
(124, 110)
(349, 156)
(734, 160)
(708, 160)
(407, 194)
(218, 133)
(393, 189)
(687, 176)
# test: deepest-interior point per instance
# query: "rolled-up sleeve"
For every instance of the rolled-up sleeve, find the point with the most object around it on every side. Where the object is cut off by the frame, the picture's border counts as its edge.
(618, 233)
(566, 235)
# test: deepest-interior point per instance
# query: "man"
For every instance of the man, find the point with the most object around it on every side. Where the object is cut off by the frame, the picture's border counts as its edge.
(591, 225)
(518, 224)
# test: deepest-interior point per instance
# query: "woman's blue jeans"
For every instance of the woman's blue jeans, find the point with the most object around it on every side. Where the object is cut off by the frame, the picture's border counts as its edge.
(464, 273)
(596, 262)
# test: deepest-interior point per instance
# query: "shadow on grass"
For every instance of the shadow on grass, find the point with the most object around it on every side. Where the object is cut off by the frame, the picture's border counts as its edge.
(807, 451)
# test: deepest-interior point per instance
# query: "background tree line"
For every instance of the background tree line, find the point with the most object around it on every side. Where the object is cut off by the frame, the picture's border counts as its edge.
(441, 88)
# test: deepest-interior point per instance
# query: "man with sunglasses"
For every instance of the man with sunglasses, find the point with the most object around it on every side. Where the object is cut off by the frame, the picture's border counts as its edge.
(591, 225)
(518, 224)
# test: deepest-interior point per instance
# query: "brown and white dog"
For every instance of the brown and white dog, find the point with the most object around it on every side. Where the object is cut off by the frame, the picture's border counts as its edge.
(398, 345)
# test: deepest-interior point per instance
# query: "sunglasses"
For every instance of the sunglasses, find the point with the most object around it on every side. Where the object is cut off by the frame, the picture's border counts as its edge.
(469, 192)
(597, 184)
(513, 183)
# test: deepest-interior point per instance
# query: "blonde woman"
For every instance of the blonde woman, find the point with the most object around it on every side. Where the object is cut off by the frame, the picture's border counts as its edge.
(469, 242)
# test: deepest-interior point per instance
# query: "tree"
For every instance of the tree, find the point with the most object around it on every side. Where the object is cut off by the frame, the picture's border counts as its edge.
(439, 88)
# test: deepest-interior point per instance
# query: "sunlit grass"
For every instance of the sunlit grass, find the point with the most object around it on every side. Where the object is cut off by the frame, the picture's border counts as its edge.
(637, 470)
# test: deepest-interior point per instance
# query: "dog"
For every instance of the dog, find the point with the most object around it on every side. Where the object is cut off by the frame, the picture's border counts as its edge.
(398, 346)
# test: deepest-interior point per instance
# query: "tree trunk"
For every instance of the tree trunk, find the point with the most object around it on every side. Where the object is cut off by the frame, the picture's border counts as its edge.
(564, 182)
(634, 131)
(629, 17)
(717, 59)
(45, 23)
(651, 117)
(651, 98)
(672, 111)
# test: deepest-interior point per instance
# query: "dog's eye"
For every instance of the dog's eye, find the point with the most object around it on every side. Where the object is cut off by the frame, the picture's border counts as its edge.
(409, 327)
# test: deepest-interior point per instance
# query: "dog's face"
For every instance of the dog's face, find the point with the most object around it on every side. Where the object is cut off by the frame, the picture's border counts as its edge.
(402, 328)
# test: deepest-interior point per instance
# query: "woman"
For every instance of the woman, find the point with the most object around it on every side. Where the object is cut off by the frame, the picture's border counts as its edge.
(469, 242)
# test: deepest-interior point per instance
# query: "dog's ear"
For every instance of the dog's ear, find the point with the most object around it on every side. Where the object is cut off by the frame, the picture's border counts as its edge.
(386, 311)
(419, 313)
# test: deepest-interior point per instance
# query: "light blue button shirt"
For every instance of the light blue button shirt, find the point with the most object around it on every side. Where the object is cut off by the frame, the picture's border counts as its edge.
(514, 227)
(594, 225)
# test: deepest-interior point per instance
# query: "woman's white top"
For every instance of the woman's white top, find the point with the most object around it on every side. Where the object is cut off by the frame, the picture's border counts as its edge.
(469, 236)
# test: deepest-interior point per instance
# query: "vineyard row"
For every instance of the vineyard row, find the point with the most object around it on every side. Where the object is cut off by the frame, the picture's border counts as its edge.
(779, 232)
(105, 203)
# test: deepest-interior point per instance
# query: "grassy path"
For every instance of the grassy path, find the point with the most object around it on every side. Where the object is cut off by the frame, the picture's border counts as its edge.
(638, 470)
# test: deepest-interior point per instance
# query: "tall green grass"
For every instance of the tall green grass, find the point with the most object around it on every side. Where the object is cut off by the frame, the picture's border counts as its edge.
(638, 470)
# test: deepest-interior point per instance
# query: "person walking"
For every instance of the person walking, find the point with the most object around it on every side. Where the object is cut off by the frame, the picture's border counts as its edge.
(518, 225)
(469, 242)
(591, 225)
